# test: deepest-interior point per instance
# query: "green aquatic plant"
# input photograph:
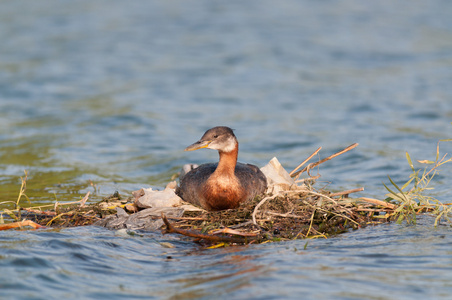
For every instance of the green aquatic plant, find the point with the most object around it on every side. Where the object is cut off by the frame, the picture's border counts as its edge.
(412, 197)
(23, 187)
(16, 212)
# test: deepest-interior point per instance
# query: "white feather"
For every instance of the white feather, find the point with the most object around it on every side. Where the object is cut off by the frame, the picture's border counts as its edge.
(227, 146)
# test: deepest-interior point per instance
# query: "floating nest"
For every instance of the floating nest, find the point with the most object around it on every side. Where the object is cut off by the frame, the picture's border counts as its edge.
(286, 216)
(287, 212)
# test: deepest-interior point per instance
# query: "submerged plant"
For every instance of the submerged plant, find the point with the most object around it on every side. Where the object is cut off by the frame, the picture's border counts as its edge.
(411, 198)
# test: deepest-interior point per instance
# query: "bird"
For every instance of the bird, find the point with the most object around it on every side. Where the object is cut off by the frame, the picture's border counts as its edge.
(223, 185)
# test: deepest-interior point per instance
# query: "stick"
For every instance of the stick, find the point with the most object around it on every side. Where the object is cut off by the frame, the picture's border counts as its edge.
(20, 224)
(83, 201)
(286, 215)
(59, 216)
(259, 205)
(233, 231)
(305, 161)
(239, 240)
(372, 209)
(47, 205)
(331, 212)
(187, 218)
(323, 196)
(310, 166)
(38, 212)
(347, 192)
(308, 179)
(379, 202)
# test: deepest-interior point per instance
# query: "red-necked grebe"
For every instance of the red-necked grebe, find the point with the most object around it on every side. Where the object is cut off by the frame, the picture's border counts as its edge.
(222, 185)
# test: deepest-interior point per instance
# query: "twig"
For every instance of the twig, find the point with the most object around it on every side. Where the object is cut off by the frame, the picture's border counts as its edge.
(305, 161)
(20, 225)
(260, 204)
(310, 166)
(39, 212)
(59, 216)
(239, 240)
(379, 202)
(347, 192)
(241, 224)
(83, 201)
(286, 215)
(331, 212)
(372, 209)
(235, 232)
(48, 205)
(323, 196)
(188, 218)
(312, 178)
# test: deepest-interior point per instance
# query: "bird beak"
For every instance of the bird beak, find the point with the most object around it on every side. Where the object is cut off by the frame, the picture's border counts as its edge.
(198, 145)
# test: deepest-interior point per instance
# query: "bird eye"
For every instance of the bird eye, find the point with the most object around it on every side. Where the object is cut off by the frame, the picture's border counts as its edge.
(215, 136)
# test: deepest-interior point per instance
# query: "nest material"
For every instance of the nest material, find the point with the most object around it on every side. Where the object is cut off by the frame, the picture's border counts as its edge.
(287, 215)
(290, 215)
(288, 211)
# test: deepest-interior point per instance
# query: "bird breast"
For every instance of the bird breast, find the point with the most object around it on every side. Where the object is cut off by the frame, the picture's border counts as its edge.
(223, 192)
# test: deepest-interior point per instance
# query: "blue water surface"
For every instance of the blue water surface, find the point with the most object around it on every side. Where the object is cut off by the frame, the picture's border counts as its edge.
(103, 96)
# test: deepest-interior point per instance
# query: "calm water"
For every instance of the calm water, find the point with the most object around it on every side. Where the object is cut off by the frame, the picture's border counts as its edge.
(103, 96)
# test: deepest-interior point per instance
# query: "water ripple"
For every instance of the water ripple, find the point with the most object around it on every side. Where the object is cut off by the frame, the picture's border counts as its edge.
(96, 99)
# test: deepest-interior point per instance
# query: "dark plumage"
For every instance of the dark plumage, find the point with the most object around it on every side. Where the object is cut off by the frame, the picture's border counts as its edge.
(222, 185)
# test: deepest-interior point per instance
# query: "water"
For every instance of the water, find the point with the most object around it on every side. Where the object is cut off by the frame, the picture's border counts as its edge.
(104, 96)
(374, 263)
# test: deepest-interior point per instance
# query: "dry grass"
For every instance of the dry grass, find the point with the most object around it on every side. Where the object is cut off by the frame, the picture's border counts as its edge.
(289, 215)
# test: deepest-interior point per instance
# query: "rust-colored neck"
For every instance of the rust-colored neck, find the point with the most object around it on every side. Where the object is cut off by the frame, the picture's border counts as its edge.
(228, 161)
